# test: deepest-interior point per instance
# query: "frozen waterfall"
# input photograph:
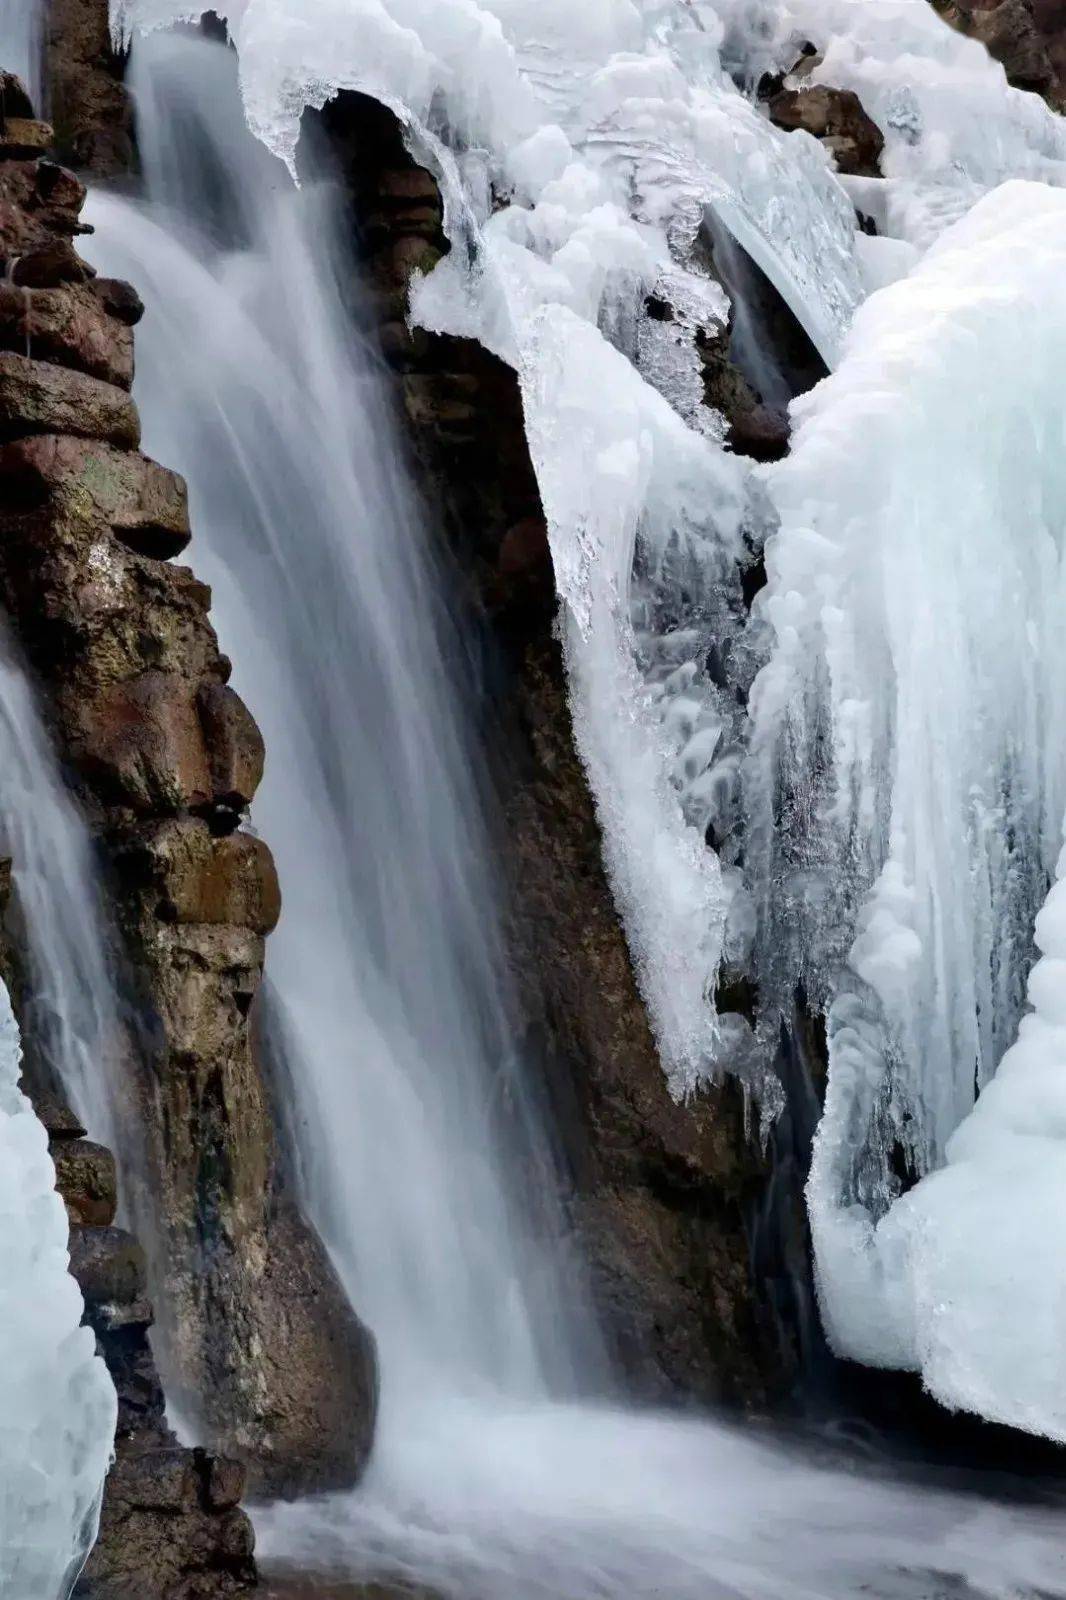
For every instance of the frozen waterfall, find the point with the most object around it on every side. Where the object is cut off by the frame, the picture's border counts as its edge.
(906, 642)
(917, 591)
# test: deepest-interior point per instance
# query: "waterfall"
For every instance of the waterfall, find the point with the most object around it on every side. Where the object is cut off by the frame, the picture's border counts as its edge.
(57, 1400)
(22, 33)
(389, 997)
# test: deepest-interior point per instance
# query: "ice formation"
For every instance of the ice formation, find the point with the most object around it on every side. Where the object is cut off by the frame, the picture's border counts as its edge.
(57, 1401)
(916, 590)
(953, 127)
(904, 715)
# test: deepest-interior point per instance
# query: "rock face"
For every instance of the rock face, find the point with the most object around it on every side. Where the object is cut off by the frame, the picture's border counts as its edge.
(661, 1193)
(93, 119)
(258, 1336)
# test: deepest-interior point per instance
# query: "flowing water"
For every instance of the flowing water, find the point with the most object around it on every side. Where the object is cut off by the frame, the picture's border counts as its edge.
(410, 1111)
(22, 33)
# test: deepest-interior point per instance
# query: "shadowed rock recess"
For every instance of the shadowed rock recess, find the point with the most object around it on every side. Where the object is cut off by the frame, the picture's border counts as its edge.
(259, 1338)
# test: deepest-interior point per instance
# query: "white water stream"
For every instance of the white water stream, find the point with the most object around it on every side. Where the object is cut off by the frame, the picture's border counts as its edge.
(389, 998)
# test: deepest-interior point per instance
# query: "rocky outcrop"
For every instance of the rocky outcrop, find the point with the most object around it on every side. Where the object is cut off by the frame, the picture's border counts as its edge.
(258, 1338)
(93, 119)
(660, 1193)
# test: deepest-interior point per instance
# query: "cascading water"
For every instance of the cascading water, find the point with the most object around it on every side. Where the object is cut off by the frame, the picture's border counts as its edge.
(22, 32)
(390, 1006)
(389, 994)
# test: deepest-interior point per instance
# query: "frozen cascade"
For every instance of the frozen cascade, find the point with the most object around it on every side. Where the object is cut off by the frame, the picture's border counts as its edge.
(612, 130)
(482, 1484)
(953, 126)
(916, 590)
(56, 1398)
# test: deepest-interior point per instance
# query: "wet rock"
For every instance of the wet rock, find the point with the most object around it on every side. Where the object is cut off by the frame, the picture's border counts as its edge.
(37, 397)
(74, 326)
(92, 116)
(159, 1537)
(236, 752)
(87, 485)
(14, 100)
(109, 1265)
(87, 1179)
(223, 1481)
(1028, 37)
(836, 117)
(141, 744)
(59, 1120)
(198, 878)
(39, 208)
(22, 137)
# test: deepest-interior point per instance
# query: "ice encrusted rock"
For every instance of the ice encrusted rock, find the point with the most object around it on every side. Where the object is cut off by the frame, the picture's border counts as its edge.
(57, 1402)
(916, 588)
(953, 126)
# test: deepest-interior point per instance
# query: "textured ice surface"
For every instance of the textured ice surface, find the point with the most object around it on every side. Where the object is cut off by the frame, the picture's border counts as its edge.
(917, 593)
(57, 1402)
(953, 126)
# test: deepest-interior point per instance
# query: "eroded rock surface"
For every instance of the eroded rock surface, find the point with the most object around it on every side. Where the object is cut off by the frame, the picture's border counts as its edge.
(258, 1337)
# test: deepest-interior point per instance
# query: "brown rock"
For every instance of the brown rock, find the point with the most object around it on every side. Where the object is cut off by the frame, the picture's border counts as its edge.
(90, 485)
(141, 745)
(93, 120)
(159, 1540)
(836, 117)
(198, 878)
(224, 1481)
(14, 101)
(59, 1120)
(40, 203)
(74, 326)
(121, 300)
(23, 136)
(37, 397)
(108, 1264)
(234, 745)
(87, 1179)
(49, 266)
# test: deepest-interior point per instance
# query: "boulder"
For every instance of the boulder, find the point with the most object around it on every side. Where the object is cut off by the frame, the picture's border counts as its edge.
(195, 877)
(108, 1264)
(37, 397)
(83, 326)
(235, 749)
(837, 118)
(87, 1179)
(86, 486)
(140, 743)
